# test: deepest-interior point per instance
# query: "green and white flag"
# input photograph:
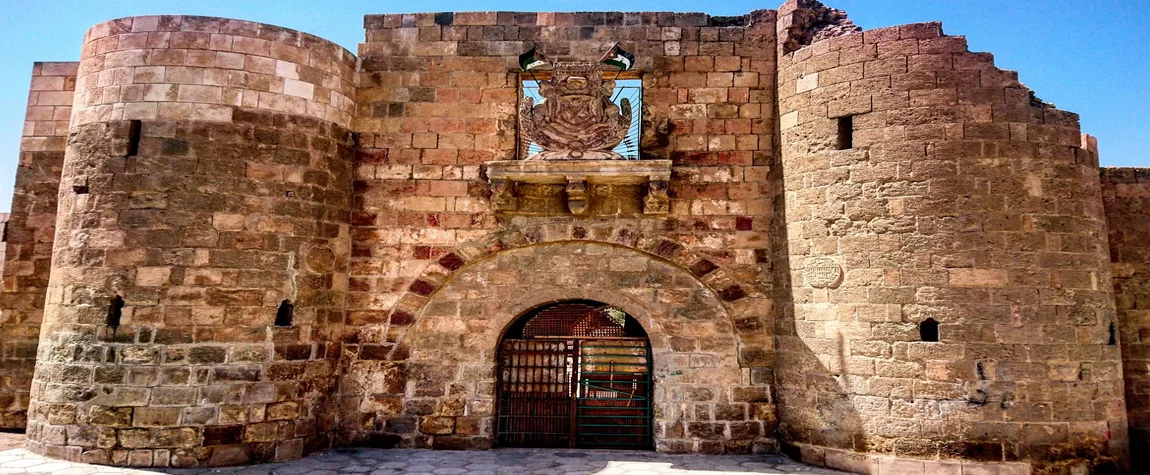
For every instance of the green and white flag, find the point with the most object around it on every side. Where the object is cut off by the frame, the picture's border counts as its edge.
(531, 59)
(618, 58)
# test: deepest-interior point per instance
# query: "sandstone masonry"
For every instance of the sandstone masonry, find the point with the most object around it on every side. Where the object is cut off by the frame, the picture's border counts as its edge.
(880, 253)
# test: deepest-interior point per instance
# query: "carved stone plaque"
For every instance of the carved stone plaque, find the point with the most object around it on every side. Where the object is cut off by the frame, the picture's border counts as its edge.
(822, 272)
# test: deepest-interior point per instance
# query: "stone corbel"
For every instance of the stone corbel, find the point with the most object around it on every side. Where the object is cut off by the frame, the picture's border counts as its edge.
(656, 201)
(503, 195)
(577, 195)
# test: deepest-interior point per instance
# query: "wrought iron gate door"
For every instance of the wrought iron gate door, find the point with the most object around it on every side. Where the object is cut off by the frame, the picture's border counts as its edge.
(575, 392)
(613, 399)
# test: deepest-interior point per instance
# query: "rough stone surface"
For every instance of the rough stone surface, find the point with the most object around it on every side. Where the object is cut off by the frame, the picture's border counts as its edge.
(1126, 192)
(958, 201)
(438, 109)
(29, 233)
(821, 193)
(202, 230)
(809, 21)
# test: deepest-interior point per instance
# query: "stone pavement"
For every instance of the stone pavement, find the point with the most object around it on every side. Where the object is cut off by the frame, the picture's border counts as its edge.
(501, 461)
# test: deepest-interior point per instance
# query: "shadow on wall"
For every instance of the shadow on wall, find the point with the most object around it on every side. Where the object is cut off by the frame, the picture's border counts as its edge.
(813, 402)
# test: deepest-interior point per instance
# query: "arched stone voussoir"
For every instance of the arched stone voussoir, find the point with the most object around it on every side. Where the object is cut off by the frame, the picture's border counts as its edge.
(737, 297)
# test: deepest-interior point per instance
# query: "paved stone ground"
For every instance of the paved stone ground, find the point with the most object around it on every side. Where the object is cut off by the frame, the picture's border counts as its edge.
(504, 461)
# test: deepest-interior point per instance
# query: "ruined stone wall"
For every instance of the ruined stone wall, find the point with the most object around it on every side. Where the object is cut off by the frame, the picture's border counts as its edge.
(1126, 193)
(29, 233)
(235, 200)
(963, 200)
(438, 99)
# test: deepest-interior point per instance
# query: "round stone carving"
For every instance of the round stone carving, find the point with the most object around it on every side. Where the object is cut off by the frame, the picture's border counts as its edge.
(823, 272)
(320, 259)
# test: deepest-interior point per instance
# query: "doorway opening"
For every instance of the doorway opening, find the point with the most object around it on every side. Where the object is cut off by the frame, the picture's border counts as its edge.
(575, 373)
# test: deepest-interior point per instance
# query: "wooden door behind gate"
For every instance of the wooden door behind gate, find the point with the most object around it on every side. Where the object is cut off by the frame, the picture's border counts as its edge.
(572, 378)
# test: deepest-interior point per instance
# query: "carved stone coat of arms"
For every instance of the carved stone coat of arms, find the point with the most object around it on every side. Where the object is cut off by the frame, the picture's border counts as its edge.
(576, 119)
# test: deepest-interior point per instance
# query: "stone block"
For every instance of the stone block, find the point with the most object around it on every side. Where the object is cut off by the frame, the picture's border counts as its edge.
(437, 425)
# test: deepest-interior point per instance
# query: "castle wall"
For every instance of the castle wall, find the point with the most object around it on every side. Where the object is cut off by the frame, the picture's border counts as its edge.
(832, 194)
(962, 199)
(699, 403)
(235, 199)
(438, 99)
(1126, 194)
(29, 233)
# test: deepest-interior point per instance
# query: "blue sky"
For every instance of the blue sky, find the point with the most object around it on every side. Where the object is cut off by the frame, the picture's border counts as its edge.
(1086, 57)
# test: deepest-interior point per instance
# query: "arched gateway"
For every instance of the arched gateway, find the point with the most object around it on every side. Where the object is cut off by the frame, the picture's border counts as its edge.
(575, 373)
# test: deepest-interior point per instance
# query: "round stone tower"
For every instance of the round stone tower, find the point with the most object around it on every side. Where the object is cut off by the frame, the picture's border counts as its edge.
(199, 274)
(952, 297)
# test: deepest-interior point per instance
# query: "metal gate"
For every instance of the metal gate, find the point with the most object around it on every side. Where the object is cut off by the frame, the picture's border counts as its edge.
(588, 386)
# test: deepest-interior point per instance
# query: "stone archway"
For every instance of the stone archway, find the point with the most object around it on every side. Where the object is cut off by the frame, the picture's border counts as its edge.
(749, 308)
(704, 401)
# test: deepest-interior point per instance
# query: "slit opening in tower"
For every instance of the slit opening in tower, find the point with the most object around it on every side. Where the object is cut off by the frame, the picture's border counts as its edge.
(846, 132)
(1113, 340)
(284, 314)
(115, 311)
(928, 330)
(134, 127)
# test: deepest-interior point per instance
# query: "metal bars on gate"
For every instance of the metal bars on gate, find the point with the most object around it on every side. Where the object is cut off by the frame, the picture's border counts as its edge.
(575, 392)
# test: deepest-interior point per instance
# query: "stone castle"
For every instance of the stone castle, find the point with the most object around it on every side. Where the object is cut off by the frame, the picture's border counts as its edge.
(875, 251)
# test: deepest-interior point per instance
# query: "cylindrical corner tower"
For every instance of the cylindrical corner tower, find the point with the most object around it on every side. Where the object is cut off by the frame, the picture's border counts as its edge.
(201, 246)
(948, 260)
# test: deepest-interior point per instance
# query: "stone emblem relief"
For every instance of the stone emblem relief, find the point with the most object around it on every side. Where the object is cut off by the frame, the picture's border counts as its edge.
(823, 272)
(576, 119)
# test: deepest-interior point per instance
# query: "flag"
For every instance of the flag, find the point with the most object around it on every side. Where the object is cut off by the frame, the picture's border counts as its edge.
(618, 58)
(531, 59)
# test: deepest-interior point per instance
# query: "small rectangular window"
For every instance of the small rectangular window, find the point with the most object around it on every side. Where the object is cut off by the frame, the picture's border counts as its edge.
(846, 132)
(133, 138)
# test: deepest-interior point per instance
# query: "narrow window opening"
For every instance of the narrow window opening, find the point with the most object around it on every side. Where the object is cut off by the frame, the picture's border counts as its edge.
(115, 310)
(928, 330)
(1113, 335)
(846, 132)
(4, 237)
(133, 138)
(284, 314)
(80, 189)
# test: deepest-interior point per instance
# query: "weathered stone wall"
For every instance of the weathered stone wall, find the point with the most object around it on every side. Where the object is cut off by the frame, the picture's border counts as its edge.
(440, 370)
(963, 200)
(29, 233)
(1126, 193)
(438, 98)
(173, 67)
(699, 404)
(783, 291)
(230, 206)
